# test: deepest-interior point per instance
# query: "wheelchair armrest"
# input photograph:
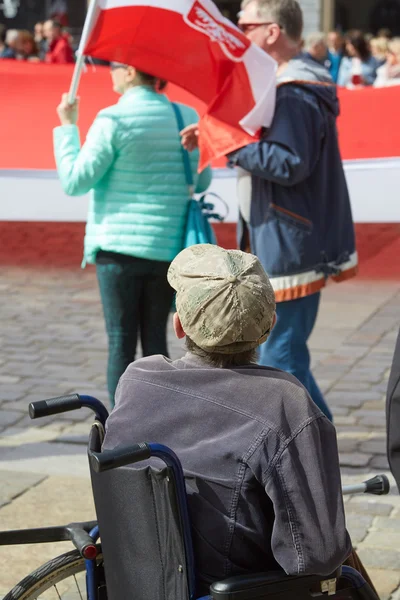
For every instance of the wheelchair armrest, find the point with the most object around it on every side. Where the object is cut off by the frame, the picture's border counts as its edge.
(259, 585)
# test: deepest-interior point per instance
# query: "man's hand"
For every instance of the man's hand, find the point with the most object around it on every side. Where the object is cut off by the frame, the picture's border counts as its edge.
(67, 112)
(190, 137)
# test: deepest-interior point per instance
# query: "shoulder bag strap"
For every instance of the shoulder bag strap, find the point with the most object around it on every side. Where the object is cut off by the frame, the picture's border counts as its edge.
(185, 153)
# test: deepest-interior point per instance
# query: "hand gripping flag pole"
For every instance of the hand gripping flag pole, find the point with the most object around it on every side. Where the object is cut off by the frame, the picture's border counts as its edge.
(80, 61)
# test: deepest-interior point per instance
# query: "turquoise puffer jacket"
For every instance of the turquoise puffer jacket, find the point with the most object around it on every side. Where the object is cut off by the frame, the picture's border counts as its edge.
(132, 162)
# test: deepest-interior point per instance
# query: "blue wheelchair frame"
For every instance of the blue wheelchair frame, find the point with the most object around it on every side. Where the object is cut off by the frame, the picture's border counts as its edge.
(114, 458)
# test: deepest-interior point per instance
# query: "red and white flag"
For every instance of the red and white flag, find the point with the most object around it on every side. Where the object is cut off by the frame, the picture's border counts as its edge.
(189, 43)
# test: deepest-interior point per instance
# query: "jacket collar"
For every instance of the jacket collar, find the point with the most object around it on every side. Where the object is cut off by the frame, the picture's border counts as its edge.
(137, 90)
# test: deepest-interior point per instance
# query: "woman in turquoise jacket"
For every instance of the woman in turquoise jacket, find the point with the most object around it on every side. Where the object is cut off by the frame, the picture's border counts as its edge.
(131, 162)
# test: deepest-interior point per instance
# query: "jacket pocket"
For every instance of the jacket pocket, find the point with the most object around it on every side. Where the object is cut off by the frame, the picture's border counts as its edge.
(291, 218)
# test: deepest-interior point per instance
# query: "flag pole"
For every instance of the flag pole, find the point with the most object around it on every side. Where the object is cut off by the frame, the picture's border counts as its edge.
(80, 61)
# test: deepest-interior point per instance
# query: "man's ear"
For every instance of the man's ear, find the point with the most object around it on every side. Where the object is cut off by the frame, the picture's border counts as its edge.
(273, 321)
(180, 334)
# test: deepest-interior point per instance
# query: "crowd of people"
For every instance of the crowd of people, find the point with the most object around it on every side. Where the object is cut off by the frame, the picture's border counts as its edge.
(357, 59)
(48, 43)
(353, 59)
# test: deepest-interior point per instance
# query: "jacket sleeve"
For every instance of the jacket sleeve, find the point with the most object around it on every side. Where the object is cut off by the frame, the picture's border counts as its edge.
(289, 152)
(309, 534)
(393, 415)
(80, 169)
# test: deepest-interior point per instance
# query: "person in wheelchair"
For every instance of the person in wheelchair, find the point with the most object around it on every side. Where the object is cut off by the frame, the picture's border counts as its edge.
(259, 457)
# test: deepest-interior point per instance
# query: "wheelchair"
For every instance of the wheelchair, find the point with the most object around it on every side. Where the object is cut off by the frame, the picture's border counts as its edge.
(146, 548)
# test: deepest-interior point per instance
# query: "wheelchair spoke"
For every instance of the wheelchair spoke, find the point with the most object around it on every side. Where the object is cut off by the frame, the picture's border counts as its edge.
(55, 587)
(79, 589)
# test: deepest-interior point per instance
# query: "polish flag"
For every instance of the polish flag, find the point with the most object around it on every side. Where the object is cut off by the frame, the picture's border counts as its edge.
(192, 45)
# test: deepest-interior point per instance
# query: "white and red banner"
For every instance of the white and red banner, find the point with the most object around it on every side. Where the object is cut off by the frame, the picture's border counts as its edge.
(191, 44)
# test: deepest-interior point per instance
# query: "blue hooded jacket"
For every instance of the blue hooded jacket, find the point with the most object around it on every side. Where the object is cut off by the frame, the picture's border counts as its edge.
(299, 222)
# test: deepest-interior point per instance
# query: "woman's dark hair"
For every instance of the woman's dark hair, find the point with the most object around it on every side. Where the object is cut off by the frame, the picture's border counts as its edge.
(26, 36)
(357, 39)
(155, 82)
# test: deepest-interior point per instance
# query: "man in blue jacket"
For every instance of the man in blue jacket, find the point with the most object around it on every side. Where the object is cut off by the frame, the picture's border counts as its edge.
(297, 218)
(295, 215)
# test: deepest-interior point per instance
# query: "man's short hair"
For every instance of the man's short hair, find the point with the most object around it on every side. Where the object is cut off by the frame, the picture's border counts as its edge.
(287, 13)
(314, 39)
(11, 36)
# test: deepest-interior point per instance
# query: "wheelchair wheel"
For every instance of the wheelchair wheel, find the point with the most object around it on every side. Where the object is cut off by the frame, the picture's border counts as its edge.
(62, 578)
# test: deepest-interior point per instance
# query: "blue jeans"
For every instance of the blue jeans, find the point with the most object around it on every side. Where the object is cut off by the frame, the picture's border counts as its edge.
(286, 347)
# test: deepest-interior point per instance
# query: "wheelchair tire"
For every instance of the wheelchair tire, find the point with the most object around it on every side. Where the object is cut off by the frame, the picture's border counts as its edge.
(49, 575)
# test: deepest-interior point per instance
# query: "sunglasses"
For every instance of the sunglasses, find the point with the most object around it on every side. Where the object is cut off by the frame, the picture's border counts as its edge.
(247, 27)
(115, 65)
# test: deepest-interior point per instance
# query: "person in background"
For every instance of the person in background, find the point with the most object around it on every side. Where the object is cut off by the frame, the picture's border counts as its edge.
(5, 50)
(11, 40)
(40, 40)
(379, 49)
(359, 61)
(335, 53)
(389, 73)
(294, 206)
(132, 162)
(59, 51)
(393, 415)
(315, 47)
(385, 33)
(26, 47)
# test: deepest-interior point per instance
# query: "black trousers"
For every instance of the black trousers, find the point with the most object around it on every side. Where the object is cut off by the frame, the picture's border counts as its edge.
(136, 299)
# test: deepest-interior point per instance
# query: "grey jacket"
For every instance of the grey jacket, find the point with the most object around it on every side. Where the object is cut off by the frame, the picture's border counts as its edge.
(260, 462)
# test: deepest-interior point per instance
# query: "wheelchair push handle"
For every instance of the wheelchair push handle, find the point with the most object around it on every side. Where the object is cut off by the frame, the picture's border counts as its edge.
(54, 406)
(61, 404)
(112, 459)
(378, 486)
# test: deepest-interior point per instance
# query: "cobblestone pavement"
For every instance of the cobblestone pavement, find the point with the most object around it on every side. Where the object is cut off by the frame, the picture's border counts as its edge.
(52, 342)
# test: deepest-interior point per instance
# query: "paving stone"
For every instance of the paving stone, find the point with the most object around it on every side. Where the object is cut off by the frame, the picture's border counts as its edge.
(345, 420)
(375, 405)
(368, 508)
(385, 582)
(379, 462)
(10, 395)
(396, 595)
(373, 421)
(339, 411)
(382, 539)
(345, 398)
(357, 535)
(378, 558)
(13, 484)
(354, 521)
(374, 446)
(9, 379)
(9, 417)
(354, 459)
(351, 386)
(347, 445)
(386, 523)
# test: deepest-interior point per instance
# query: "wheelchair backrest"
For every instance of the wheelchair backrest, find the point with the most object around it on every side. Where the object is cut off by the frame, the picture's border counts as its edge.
(140, 531)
